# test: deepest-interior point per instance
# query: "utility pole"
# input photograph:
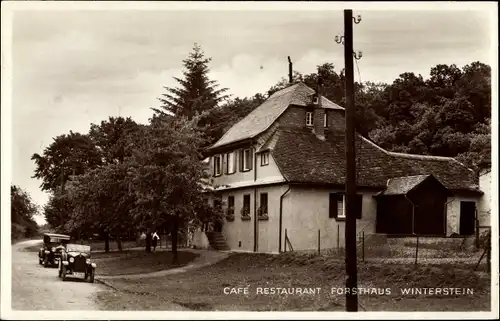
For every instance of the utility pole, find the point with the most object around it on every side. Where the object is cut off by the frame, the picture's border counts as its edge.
(350, 190)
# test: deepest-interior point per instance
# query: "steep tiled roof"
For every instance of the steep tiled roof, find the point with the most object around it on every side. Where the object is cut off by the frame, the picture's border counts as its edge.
(402, 185)
(303, 158)
(264, 116)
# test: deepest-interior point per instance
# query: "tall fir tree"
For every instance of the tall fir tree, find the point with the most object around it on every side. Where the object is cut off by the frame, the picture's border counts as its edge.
(196, 95)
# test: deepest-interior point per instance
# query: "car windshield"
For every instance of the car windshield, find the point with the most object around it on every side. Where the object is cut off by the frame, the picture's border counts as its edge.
(54, 244)
(54, 240)
(78, 248)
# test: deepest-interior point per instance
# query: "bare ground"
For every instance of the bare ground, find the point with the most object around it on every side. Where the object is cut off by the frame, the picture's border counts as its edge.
(37, 288)
(203, 289)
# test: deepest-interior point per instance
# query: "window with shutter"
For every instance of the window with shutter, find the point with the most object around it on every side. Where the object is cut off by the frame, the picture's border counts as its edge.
(333, 205)
(217, 165)
(240, 159)
(250, 161)
(247, 159)
(230, 163)
(337, 206)
(341, 207)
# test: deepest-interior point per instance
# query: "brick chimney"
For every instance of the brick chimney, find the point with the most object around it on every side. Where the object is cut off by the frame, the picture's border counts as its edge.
(319, 113)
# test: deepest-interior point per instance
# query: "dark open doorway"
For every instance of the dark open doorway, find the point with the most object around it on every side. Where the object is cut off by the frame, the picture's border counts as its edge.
(467, 217)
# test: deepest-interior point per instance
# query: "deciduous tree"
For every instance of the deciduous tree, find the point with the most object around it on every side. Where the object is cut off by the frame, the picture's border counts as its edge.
(71, 154)
(165, 172)
(22, 211)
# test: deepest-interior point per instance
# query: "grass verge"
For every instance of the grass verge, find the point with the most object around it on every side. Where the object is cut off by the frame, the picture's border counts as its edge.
(203, 289)
(135, 262)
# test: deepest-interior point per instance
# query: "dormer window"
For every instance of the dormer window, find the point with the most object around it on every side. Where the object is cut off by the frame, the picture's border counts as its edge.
(309, 118)
(315, 100)
(264, 158)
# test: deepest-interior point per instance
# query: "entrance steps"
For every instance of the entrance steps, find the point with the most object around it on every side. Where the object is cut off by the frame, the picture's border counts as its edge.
(217, 241)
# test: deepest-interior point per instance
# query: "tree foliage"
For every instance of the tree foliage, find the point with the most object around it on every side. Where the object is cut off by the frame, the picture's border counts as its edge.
(196, 95)
(103, 203)
(57, 211)
(165, 173)
(71, 154)
(111, 138)
(447, 114)
(123, 177)
(22, 211)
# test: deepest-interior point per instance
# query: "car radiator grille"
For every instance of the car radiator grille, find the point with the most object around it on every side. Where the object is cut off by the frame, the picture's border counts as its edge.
(80, 264)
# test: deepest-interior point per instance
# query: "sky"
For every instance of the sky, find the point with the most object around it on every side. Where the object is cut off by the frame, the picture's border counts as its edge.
(77, 67)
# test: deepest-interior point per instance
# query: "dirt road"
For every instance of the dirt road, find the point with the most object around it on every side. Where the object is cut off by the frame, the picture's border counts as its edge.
(37, 288)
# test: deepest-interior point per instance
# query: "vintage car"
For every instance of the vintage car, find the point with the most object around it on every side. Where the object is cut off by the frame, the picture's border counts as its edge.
(75, 261)
(50, 252)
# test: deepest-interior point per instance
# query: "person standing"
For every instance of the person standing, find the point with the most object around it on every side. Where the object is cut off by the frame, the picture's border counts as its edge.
(155, 240)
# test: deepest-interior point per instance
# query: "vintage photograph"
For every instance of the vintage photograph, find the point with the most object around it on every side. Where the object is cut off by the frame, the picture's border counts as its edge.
(232, 158)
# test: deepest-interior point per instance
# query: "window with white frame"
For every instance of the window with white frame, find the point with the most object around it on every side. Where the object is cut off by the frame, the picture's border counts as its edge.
(325, 120)
(217, 165)
(247, 159)
(337, 207)
(230, 163)
(309, 118)
(264, 159)
(341, 207)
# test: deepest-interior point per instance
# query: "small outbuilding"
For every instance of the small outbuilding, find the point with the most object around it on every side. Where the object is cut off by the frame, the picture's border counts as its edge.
(412, 205)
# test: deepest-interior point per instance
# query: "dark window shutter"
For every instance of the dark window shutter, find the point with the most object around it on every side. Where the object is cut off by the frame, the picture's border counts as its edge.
(213, 164)
(240, 158)
(235, 161)
(332, 213)
(250, 165)
(359, 205)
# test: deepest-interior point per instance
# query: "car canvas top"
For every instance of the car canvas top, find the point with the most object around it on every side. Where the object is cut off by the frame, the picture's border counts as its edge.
(59, 236)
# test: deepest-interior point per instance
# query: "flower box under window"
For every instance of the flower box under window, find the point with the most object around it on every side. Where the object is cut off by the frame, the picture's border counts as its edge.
(262, 213)
(230, 217)
(245, 213)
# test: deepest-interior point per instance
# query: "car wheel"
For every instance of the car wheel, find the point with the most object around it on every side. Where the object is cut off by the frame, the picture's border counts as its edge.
(91, 278)
(46, 262)
(63, 272)
(59, 268)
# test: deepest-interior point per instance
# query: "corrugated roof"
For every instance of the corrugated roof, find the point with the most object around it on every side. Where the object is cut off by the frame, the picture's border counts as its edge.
(266, 114)
(402, 185)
